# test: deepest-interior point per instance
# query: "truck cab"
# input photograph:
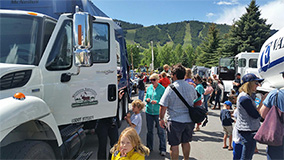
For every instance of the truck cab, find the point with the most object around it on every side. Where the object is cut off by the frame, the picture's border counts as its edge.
(244, 62)
(247, 63)
(62, 90)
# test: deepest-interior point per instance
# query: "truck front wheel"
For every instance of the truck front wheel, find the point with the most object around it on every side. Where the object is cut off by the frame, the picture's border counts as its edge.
(119, 112)
(28, 150)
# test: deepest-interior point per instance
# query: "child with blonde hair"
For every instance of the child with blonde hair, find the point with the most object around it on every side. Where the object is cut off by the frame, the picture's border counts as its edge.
(129, 146)
(135, 120)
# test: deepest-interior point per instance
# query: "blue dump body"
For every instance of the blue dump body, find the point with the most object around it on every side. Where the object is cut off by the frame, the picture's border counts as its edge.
(52, 8)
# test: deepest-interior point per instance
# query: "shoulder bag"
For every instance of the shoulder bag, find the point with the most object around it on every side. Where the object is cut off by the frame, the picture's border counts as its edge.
(271, 131)
(196, 114)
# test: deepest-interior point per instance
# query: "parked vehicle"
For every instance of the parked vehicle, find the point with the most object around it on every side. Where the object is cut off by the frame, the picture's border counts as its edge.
(58, 70)
(201, 71)
(271, 62)
(244, 62)
(212, 71)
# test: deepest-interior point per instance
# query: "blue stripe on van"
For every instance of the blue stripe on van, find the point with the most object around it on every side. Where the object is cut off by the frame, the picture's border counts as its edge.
(272, 64)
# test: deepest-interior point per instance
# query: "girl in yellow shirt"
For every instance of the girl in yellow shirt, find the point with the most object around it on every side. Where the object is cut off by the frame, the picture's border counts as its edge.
(129, 146)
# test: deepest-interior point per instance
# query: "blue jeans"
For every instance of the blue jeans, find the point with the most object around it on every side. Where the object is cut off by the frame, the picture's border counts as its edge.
(237, 150)
(205, 102)
(275, 152)
(249, 144)
(150, 119)
(141, 94)
(217, 99)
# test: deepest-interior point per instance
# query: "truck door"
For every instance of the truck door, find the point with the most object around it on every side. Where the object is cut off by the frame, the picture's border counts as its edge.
(85, 96)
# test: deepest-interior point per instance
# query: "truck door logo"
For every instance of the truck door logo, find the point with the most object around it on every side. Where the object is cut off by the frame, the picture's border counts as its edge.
(265, 58)
(266, 62)
(84, 97)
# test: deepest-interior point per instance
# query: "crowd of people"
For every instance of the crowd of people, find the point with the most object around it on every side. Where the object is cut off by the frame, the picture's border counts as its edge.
(166, 112)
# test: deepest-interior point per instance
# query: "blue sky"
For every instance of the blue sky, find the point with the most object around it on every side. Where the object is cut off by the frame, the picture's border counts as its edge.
(152, 12)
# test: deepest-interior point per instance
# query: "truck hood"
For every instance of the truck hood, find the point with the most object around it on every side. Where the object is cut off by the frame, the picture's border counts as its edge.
(14, 112)
(7, 68)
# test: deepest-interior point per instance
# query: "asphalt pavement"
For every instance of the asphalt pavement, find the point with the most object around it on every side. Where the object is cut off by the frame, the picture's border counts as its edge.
(206, 144)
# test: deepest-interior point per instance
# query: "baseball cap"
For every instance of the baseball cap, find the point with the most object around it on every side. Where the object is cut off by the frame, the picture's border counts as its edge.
(250, 77)
(228, 103)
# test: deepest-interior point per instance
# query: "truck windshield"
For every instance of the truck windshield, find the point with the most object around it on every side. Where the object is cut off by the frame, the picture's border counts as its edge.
(227, 68)
(227, 62)
(19, 39)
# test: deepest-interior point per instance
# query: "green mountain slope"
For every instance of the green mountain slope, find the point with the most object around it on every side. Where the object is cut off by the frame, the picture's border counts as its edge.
(184, 33)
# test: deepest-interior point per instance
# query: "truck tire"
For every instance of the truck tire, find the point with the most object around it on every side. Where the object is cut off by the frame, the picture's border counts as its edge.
(119, 113)
(125, 104)
(28, 150)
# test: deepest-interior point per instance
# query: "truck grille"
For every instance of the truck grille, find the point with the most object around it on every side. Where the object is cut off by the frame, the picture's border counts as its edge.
(15, 79)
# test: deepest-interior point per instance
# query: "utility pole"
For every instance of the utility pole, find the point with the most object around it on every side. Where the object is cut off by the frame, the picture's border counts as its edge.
(152, 56)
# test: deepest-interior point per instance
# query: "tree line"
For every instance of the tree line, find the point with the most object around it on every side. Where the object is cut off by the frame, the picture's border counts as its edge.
(246, 34)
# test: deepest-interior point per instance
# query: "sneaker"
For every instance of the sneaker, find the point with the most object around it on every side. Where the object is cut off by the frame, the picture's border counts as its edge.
(163, 153)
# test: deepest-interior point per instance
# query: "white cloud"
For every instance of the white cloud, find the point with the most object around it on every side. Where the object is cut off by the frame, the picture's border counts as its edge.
(231, 2)
(209, 15)
(272, 11)
(231, 14)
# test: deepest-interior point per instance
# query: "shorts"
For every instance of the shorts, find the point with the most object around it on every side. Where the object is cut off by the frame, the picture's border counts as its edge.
(178, 133)
(228, 130)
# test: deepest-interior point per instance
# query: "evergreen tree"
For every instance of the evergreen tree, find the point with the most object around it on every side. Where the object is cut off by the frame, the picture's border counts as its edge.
(177, 54)
(147, 57)
(248, 33)
(210, 56)
(165, 55)
(156, 60)
(133, 51)
(188, 57)
(198, 51)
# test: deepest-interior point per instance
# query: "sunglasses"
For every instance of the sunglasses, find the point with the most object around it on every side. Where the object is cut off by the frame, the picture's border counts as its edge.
(153, 80)
(257, 83)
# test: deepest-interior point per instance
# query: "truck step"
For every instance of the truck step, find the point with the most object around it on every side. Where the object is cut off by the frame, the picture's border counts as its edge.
(70, 130)
(84, 155)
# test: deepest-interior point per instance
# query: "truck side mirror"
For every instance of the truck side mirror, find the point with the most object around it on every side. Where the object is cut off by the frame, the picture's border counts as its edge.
(82, 29)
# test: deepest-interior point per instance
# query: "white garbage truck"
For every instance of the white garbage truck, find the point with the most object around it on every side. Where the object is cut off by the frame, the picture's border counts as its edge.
(58, 70)
(271, 62)
(244, 62)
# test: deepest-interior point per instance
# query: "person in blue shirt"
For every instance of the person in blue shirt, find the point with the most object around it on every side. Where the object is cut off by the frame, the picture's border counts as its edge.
(179, 125)
(226, 119)
(248, 121)
(274, 152)
(153, 95)
(198, 101)
(237, 83)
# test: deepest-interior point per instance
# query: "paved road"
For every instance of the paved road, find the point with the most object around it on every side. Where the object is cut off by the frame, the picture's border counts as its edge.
(206, 145)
